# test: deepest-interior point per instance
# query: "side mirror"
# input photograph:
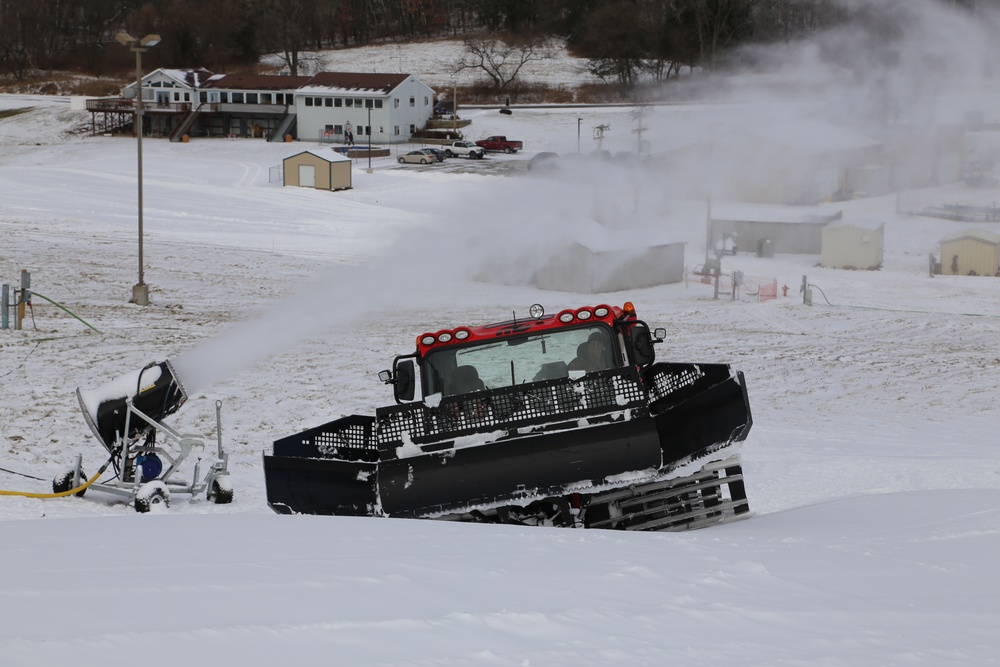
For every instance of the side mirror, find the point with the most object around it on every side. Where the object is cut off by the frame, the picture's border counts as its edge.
(642, 345)
(405, 380)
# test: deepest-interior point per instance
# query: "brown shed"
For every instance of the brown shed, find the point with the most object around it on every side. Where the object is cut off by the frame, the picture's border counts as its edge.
(973, 252)
(323, 170)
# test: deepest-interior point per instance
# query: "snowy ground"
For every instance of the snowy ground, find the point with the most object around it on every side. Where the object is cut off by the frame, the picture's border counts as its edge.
(872, 466)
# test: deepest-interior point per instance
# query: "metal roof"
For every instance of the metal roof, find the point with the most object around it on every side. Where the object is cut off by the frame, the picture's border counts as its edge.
(358, 82)
(256, 82)
(976, 234)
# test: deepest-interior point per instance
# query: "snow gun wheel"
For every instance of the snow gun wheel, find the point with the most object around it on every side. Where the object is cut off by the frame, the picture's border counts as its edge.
(64, 481)
(221, 490)
(152, 495)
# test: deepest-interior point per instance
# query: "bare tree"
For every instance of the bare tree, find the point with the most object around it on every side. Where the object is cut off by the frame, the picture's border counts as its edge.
(500, 61)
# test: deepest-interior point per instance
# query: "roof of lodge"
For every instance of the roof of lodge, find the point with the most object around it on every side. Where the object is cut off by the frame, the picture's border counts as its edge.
(256, 82)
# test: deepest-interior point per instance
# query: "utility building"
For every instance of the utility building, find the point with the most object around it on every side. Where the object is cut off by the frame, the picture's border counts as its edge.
(972, 252)
(855, 243)
(578, 268)
(323, 170)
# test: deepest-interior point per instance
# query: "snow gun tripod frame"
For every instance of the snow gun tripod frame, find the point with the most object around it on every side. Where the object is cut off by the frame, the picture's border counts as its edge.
(127, 424)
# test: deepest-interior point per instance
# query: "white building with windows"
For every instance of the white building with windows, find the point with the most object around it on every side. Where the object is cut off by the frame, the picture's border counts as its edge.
(325, 107)
(387, 107)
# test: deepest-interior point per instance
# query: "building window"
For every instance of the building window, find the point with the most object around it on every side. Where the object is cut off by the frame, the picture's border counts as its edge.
(224, 98)
(203, 97)
(396, 102)
(328, 101)
(309, 101)
(357, 102)
(413, 129)
(425, 101)
(187, 97)
(338, 129)
(413, 102)
(369, 104)
(349, 102)
(395, 130)
(338, 102)
(251, 98)
(381, 130)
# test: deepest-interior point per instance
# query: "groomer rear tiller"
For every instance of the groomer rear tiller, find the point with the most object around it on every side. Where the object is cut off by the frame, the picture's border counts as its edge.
(126, 416)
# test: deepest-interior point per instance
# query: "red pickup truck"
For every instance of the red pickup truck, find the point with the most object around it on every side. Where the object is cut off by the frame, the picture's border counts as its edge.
(500, 143)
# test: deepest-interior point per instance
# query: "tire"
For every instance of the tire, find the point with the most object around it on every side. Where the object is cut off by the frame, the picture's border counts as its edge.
(448, 153)
(402, 161)
(221, 490)
(152, 495)
(507, 150)
(64, 481)
(423, 161)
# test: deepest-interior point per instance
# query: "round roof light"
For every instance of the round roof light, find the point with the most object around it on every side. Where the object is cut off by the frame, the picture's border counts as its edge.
(428, 340)
(536, 311)
(629, 308)
(566, 317)
(461, 334)
(583, 314)
(601, 312)
(444, 338)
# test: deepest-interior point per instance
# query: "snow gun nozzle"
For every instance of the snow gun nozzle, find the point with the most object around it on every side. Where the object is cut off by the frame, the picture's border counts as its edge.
(153, 391)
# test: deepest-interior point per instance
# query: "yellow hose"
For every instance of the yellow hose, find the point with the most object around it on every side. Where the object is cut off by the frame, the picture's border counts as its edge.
(61, 494)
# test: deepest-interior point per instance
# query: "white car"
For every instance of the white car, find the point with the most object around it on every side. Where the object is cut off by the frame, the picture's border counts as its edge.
(466, 148)
(415, 157)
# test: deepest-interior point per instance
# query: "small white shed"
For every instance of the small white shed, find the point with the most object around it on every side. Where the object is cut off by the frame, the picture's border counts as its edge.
(320, 169)
(854, 243)
(973, 252)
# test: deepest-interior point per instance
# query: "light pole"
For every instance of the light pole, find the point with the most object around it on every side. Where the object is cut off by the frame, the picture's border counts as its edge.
(370, 139)
(578, 121)
(140, 291)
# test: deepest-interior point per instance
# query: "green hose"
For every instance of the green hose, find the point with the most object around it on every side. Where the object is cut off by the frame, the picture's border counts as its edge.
(64, 309)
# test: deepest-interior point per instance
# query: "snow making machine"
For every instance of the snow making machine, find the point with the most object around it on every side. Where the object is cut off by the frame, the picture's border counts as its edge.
(558, 420)
(126, 416)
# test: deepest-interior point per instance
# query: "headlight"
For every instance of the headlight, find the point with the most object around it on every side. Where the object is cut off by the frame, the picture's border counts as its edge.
(444, 338)
(536, 311)
(461, 334)
(427, 340)
(583, 314)
(601, 312)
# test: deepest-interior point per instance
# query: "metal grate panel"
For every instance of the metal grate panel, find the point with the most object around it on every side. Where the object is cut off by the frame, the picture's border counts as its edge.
(510, 408)
(665, 379)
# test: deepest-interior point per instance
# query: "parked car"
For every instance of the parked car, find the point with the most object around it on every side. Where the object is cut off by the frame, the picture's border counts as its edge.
(416, 157)
(435, 153)
(466, 148)
(543, 160)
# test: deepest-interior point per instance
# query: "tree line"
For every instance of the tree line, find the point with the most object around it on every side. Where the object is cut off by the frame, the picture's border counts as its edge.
(622, 39)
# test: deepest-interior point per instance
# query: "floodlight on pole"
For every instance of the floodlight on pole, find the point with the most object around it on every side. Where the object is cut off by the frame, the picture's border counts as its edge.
(140, 291)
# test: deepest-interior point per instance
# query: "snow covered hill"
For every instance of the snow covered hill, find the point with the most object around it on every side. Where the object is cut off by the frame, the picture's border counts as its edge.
(872, 465)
